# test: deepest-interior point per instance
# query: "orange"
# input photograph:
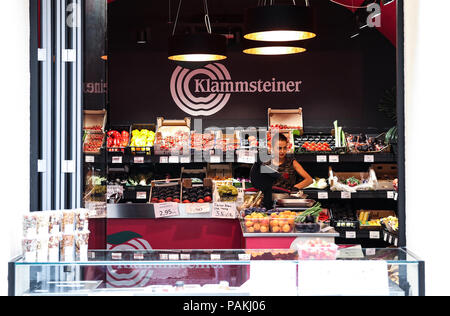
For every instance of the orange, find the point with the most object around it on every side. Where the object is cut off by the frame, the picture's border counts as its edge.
(265, 221)
(274, 222)
(286, 228)
(250, 230)
(275, 229)
(291, 221)
(264, 229)
(256, 227)
(248, 223)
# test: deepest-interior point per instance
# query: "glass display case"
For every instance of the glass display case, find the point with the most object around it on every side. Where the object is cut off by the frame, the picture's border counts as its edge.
(343, 271)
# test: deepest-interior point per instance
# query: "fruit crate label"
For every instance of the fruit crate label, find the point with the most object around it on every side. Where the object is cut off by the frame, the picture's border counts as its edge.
(224, 210)
(369, 158)
(197, 208)
(321, 158)
(138, 256)
(116, 256)
(215, 256)
(166, 209)
(390, 195)
(371, 252)
(89, 159)
(246, 156)
(139, 159)
(244, 256)
(374, 235)
(215, 159)
(185, 256)
(334, 158)
(163, 159)
(174, 257)
(350, 235)
(346, 195)
(141, 195)
(174, 159)
(117, 159)
(185, 159)
(322, 195)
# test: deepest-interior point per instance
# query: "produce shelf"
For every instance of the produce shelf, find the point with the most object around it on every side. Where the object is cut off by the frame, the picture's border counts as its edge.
(327, 194)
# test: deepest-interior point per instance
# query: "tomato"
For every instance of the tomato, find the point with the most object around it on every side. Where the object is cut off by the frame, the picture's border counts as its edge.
(208, 199)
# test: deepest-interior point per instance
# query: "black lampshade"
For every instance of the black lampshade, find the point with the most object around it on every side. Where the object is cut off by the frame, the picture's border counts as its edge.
(197, 47)
(279, 23)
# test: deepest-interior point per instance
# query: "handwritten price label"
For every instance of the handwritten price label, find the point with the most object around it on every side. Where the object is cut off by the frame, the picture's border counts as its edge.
(374, 235)
(334, 158)
(163, 159)
(350, 235)
(89, 159)
(174, 159)
(322, 195)
(215, 159)
(117, 159)
(224, 210)
(369, 158)
(197, 208)
(185, 159)
(141, 195)
(166, 209)
(321, 158)
(138, 159)
(346, 195)
(247, 157)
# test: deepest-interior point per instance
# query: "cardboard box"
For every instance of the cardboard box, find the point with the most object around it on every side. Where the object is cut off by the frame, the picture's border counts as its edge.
(293, 118)
(386, 174)
(94, 118)
(219, 171)
(335, 180)
(178, 129)
(374, 215)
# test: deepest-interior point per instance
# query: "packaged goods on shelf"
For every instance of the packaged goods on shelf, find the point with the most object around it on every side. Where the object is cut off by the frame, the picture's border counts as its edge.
(257, 223)
(280, 120)
(273, 254)
(93, 143)
(363, 143)
(94, 121)
(344, 219)
(317, 249)
(226, 142)
(390, 224)
(118, 138)
(67, 247)
(143, 138)
(318, 183)
(282, 222)
(314, 144)
(81, 245)
(166, 191)
(386, 176)
(197, 193)
(172, 137)
(371, 219)
(219, 171)
(205, 141)
(352, 181)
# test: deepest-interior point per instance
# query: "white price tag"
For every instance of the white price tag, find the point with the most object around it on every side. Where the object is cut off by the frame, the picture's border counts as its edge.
(322, 195)
(174, 257)
(89, 159)
(138, 256)
(321, 158)
(141, 195)
(374, 235)
(369, 158)
(390, 239)
(185, 159)
(197, 208)
(117, 159)
(163, 159)
(371, 251)
(215, 256)
(163, 256)
(244, 256)
(350, 235)
(138, 159)
(334, 158)
(215, 159)
(174, 159)
(224, 210)
(185, 256)
(166, 209)
(246, 156)
(116, 256)
(390, 195)
(385, 237)
(346, 195)
(395, 196)
(395, 242)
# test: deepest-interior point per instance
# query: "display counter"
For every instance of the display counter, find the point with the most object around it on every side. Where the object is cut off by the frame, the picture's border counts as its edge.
(221, 272)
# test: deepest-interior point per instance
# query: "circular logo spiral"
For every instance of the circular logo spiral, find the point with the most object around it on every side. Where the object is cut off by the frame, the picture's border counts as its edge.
(193, 105)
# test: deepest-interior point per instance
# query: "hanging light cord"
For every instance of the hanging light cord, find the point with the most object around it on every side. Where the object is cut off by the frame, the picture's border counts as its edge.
(176, 18)
(207, 21)
(272, 2)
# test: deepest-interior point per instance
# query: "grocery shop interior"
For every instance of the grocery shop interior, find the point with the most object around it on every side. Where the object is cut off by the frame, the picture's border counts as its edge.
(228, 137)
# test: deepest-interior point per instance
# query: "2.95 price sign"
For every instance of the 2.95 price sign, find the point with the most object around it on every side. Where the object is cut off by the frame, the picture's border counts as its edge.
(166, 209)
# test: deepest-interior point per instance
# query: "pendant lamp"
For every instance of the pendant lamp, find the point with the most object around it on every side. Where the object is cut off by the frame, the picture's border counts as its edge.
(197, 47)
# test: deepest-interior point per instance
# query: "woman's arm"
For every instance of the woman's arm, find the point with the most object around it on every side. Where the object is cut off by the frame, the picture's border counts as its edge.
(307, 178)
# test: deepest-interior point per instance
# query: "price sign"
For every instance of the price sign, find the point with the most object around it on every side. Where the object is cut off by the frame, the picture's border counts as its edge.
(246, 156)
(244, 256)
(350, 235)
(164, 256)
(369, 158)
(395, 196)
(141, 195)
(322, 195)
(374, 235)
(185, 159)
(385, 237)
(395, 242)
(215, 256)
(138, 256)
(166, 209)
(138, 159)
(116, 256)
(174, 159)
(117, 159)
(371, 252)
(390, 239)
(197, 208)
(334, 158)
(321, 158)
(390, 195)
(224, 210)
(163, 159)
(174, 257)
(215, 159)
(346, 195)
(185, 256)
(89, 159)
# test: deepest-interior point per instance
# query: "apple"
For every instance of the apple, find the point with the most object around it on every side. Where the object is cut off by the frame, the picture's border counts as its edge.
(208, 199)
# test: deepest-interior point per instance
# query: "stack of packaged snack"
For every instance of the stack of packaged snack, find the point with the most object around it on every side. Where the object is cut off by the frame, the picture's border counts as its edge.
(56, 236)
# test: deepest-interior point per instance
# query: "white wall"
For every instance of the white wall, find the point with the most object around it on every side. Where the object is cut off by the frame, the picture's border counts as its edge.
(427, 69)
(14, 122)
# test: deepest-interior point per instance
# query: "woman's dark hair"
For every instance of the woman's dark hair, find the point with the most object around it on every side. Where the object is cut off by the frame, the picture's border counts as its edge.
(280, 137)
